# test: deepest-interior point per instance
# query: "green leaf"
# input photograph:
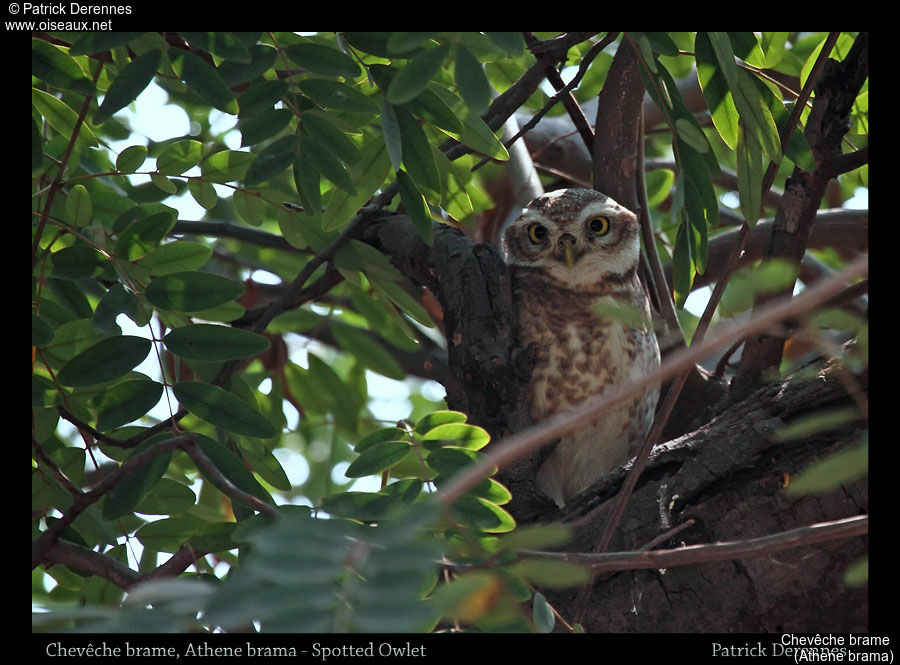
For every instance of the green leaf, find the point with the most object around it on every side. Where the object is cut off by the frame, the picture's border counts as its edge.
(267, 124)
(272, 160)
(749, 103)
(449, 460)
(336, 95)
(377, 458)
(128, 84)
(390, 128)
(178, 256)
(308, 184)
(143, 235)
(227, 165)
(536, 537)
(117, 300)
(262, 57)
(509, 42)
(415, 206)
(55, 67)
(249, 207)
(41, 332)
(857, 573)
(395, 293)
(125, 494)
(435, 418)
(749, 177)
(125, 402)
(324, 60)
(325, 162)
(221, 408)
(834, 471)
(719, 99)
(404, 42)
(163, 183)
(223, 44)
(368, 175)
(417, 155)
(484, 515)
(542, 614)
(772, 46)
(204, 341)
(550, 574)
(461, 435)
(77, 262)
(471, 80)
(682, 267)
(169, 534)
(332, 138)
(367, 351)
(95, 42)
(78, 206)
(261, 96)
(475, 132)
(192, 291)
(232, 467)
(691, 135)
(131, 158)
(178, 157)
(203, 192)
(62, 118)
(379, 436)
(204, 81)
(412, 78)
(169, 497)
(104, 361)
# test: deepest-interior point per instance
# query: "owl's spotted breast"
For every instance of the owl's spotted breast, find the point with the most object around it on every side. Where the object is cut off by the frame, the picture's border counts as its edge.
(571, 254)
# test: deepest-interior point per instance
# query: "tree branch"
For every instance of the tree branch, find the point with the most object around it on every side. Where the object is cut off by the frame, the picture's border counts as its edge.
(814, 534)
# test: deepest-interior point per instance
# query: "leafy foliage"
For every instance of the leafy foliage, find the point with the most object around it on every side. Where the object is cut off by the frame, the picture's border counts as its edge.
(139, 333)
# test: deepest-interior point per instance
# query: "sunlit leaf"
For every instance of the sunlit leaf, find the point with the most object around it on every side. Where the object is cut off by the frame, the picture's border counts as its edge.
(55, 67)
(377, 458)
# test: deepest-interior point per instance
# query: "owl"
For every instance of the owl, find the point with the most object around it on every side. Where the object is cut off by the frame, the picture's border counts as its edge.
(573, 257)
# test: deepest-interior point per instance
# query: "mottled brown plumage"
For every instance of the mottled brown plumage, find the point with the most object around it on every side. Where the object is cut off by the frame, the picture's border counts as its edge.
(573, 255)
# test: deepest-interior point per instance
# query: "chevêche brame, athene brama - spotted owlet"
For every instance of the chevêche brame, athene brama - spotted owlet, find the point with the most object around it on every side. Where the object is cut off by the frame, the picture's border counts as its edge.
(573, 256)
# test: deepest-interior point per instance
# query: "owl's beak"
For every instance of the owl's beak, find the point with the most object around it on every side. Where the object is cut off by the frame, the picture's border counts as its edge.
(567, 245)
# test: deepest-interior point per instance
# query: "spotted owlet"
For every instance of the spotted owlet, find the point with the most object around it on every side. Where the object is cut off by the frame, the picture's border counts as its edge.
(573, 256)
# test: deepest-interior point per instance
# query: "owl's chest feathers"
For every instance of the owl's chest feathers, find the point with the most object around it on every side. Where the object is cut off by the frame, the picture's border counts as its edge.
(578, 352)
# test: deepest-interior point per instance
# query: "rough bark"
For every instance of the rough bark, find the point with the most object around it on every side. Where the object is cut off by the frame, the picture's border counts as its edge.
(728, 476)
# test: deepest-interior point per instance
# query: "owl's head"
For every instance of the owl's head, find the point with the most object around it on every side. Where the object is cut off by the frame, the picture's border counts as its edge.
(576, 236)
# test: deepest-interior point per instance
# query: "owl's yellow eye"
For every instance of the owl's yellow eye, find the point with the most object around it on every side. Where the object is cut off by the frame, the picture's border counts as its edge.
(598, 226)
(537, 233)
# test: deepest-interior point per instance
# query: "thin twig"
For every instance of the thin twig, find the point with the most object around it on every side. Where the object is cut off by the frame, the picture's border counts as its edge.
(812, 534)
